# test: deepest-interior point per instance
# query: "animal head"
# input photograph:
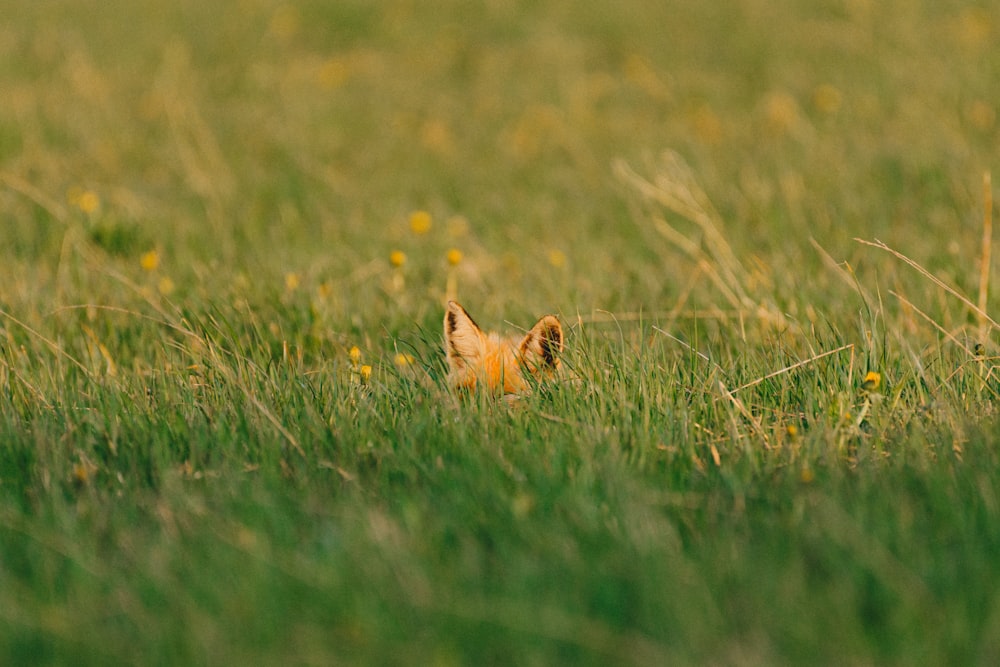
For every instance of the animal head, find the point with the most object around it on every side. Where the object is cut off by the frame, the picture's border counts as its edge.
(500, 365)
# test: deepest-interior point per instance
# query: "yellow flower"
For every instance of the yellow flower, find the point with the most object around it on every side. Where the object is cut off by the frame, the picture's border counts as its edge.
(81, 474)
(557, 258)
(871, 382)
(149, 261)
(420, 222)
(88, 202)
(366, 372)
(166, 286)
(454, 256)
(397, 258)
(403, 359)
(85, 200)
(292, 281)
(355, 354)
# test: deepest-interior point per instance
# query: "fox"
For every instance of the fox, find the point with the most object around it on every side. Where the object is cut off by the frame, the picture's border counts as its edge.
(486, 361)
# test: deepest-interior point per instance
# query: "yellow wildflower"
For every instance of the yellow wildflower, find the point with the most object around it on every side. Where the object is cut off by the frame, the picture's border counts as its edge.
(420, 222)
(355, 354)
(81, 474)
(85, 200)
(403, 359)
(88, 202)
(454, 257)
(397, 258)
(557, 258)
(871, 382)
(366, 372)
(292, 281)
(149, 261)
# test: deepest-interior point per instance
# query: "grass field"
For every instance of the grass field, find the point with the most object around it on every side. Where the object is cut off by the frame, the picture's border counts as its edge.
(228, 232)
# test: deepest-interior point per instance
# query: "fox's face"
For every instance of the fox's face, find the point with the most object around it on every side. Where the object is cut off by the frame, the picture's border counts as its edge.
(476, 358)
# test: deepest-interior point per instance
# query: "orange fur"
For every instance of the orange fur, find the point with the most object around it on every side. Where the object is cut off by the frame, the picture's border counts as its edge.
(480, 359)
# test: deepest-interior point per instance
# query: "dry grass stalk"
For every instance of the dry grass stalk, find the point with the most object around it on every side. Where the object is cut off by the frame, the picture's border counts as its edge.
(985, 257)
(944, 332)
(51, 344)
(849, 346)
(843, 270)
(754, 421)
(36, 195)
(937, 281)
(674, 188)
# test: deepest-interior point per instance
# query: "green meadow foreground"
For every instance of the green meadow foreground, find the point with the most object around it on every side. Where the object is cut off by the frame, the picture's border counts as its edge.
(228, 234)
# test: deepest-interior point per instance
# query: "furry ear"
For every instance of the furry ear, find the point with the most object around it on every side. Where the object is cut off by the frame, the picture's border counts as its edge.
(463, 339)
(541, 347)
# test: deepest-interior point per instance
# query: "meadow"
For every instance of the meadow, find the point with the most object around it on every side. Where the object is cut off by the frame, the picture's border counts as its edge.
(228, 233)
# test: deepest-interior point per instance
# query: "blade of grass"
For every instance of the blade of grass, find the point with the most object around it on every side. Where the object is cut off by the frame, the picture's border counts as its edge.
(787, 369)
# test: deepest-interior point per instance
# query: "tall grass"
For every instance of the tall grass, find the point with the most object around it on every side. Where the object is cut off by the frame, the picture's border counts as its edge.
(225, 435)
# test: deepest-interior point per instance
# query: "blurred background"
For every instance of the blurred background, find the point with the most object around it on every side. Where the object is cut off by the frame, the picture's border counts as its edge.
(215, 150)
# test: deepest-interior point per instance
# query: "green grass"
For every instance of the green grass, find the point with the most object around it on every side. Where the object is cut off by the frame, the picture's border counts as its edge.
(199, 205)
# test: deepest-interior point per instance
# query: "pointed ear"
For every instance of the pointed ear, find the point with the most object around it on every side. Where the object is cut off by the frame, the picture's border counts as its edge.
(544, 343)
(463, 339)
